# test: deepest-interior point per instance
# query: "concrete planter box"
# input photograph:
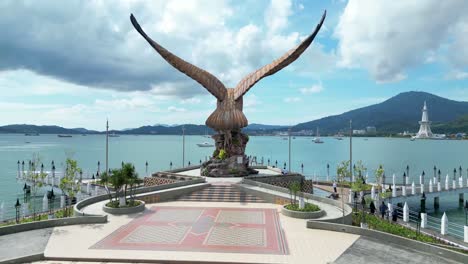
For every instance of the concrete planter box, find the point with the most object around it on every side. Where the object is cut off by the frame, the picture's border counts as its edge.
(125, 210)
(302, 215)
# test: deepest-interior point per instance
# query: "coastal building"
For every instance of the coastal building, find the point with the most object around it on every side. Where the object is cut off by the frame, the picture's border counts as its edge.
(371, 130)
(359, 132)
(425, 125)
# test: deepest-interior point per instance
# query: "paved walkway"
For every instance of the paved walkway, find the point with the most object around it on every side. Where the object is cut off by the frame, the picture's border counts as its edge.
(331, 211)
(24, 243)
(304, 244)
(371, 250)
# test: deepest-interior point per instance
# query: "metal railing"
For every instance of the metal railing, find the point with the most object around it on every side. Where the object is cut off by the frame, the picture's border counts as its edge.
(433, 223)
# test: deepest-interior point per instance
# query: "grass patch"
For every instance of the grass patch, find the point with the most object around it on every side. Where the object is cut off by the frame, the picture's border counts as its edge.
(308, 207)
(115, 204)
(376, 223)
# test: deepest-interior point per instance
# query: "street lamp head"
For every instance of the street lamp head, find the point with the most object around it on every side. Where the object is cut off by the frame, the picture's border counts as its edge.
(423, 197)
(466, 205)
(328, 166)
(17, 205)
(404, 174)
(438, 172)
(98, 163)
(18, 162)
(435, 168)
(25, 187)
(407, 167)
(22, 163)
(423, 173)
(146, 163)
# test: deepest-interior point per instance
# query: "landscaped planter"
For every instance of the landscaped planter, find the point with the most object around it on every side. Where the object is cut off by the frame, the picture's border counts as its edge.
(125, 210)
(302, 215)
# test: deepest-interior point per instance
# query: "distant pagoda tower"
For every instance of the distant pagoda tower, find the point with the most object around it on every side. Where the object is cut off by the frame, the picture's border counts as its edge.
(425, 128)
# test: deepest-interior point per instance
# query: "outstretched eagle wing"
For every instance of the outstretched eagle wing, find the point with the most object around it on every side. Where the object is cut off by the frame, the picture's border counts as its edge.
(250, 80)
(206, 79)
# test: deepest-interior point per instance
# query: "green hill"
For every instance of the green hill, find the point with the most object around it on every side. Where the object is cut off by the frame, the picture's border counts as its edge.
(397, 114)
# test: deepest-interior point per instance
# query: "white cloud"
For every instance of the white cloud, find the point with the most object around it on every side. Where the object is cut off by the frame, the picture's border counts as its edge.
(457, 75)
(193, 100)
(176, 109)
(389, 37)
(277, 13)
(292, 99)
(316, 88)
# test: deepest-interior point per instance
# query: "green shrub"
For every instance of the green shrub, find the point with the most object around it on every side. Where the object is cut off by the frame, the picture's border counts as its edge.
(308, 207)
(222, 154)
(115, 204)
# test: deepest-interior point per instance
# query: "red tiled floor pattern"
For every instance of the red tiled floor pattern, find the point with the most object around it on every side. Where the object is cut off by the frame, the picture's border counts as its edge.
(233, 230)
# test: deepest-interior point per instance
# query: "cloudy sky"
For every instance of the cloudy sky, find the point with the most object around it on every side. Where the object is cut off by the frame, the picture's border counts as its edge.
(74, 63)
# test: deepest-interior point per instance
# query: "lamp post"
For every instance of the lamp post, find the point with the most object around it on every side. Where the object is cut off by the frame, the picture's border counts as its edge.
(276, 163)
(284, 167)
(268, 162)
(19, 172)
(454, 173)
(328, 172)
(407, 171)
(98, 166)
(435, 169)
(22, 168)
(355, 202)
(423, 203)
(107, 145)
(25, 188)
(438, 176)
(466, 212)
(351, 148)
(17, 207)
(404, 179)
(170, 165)
(146, 168)
(51, 197)
(302, 168)
(423, 174)
(460, 171)
(183, 146)
(289, 149)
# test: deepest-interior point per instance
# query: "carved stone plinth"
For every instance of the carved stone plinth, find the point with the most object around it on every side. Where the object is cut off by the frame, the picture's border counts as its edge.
(228, 159)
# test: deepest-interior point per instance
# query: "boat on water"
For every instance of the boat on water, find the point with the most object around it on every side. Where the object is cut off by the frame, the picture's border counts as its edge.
(64, 136)
(114, 135)
(205, 144)
(285, 138)
(318, 140)
(31, 134)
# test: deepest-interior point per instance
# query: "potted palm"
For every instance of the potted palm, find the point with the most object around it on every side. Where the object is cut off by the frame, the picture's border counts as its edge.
(124, 182)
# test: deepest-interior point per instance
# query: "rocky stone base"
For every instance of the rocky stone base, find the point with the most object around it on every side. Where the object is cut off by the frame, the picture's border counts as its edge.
(235, 166)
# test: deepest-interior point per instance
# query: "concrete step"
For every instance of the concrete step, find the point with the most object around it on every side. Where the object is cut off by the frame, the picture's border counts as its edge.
(220, 193)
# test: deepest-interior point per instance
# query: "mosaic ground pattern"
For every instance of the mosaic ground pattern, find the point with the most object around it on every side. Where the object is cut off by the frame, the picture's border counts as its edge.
(233, 230)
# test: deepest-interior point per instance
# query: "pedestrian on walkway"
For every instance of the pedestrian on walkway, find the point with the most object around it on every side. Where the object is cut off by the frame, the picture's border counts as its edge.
(394, 215)
(383, 209)
(372, 207)
(334, 186)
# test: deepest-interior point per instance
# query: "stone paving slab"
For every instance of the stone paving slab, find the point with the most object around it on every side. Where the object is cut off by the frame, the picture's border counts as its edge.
(24, 243)
(371, 250)
(239, 230)
(305, 245)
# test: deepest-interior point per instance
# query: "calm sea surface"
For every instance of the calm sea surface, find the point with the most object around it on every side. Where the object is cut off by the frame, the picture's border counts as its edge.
(394, 153)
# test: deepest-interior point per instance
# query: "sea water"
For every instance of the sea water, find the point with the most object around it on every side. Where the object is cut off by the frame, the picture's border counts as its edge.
(160, 150)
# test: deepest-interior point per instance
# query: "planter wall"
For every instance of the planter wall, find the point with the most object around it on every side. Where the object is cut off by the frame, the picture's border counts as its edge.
(302, 215)
(125, 210)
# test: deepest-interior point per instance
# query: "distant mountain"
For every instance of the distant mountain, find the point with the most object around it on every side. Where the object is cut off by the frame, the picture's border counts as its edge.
(399, 113)
(84, 130)
(169, 130)
(255, 126)
(24, 128)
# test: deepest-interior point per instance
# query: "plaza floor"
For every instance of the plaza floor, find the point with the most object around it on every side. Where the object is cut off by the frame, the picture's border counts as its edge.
(199, 232)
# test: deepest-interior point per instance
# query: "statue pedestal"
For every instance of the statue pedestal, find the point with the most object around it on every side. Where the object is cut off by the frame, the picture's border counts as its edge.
(235, 166)
(228, 159)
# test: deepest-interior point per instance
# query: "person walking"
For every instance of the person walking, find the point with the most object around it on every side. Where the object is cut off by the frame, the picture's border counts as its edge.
(383, 209)
(334, 186)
